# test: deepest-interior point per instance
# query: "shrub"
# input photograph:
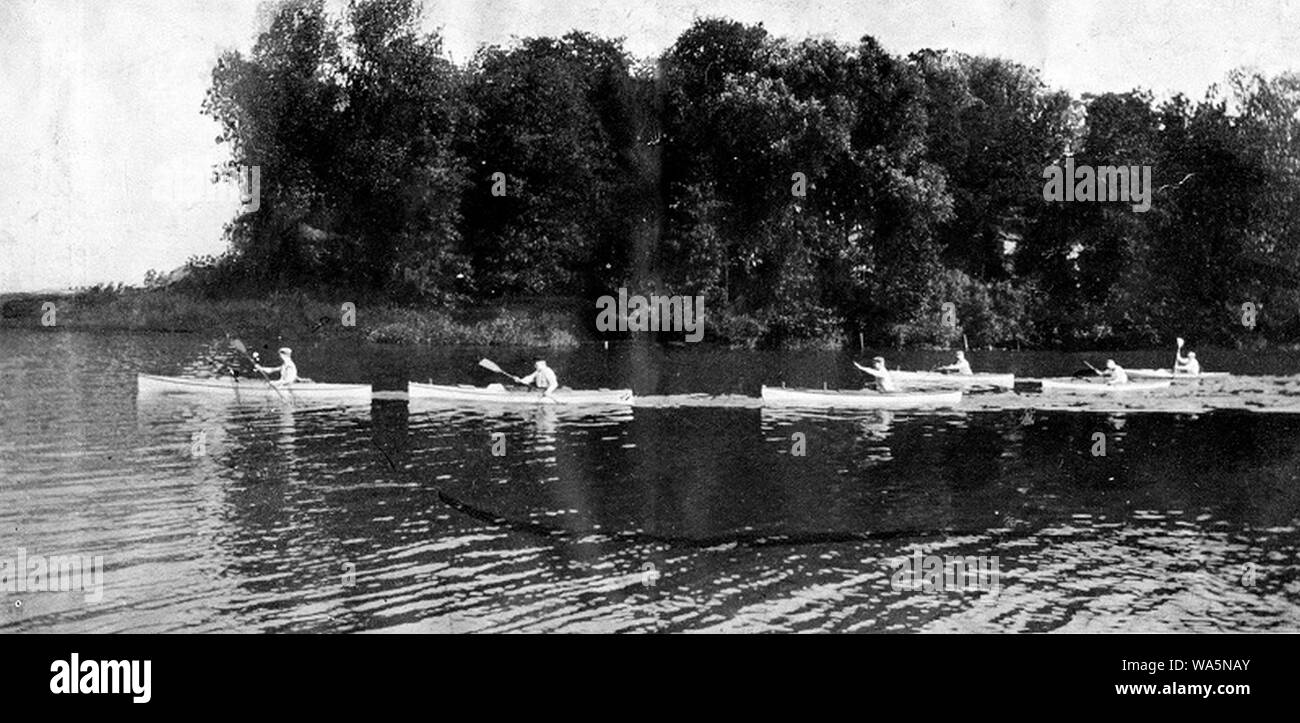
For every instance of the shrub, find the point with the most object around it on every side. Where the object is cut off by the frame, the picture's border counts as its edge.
(996, 313)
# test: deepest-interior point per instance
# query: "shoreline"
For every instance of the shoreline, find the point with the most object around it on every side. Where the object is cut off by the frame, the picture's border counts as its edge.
(550, 322)
(291, 314)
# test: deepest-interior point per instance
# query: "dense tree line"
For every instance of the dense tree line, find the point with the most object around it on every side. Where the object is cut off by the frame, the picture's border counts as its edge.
(810, 190)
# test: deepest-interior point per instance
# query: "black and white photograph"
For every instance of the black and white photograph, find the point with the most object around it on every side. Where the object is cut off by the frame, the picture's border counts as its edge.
(650, 317)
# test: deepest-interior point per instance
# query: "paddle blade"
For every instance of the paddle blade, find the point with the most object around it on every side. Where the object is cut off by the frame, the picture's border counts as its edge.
(238, 346)
(490, 366)
(1180, 341)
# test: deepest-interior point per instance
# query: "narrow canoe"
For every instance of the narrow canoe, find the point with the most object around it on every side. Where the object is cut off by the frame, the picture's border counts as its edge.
(229, 387)
(1057, 385)
(1169, 374)
(965, 381)
(858, 398)
(498, 394)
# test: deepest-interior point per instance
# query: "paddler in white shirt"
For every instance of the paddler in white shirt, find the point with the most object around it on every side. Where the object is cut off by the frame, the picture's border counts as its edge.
(1188, 364)
(543, 377)
(961, 366)
(287, 369)
(884, 380)
(1185, 364)
(1115, 374)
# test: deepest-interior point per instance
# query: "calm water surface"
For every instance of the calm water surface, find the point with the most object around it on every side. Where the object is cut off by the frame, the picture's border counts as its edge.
(685, 513)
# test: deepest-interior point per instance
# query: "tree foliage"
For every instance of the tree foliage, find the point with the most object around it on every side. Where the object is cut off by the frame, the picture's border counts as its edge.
(807, 189)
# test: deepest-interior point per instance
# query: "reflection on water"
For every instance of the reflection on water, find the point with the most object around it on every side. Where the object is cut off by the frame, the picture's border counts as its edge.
(257, 517)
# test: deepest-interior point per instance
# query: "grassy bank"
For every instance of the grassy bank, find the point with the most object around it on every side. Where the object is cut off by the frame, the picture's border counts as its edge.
(288, 315)
(554, 322)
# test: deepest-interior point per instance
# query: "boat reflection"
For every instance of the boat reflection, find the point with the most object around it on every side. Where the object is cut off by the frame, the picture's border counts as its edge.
(873, 423)
(872, 426)
(257, 438)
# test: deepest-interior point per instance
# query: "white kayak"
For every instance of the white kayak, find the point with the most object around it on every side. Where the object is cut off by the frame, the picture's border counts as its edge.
(1059, 385)
(965, 381)
(1171, 374)
(499, 394)
(858, 398)
(252, 388)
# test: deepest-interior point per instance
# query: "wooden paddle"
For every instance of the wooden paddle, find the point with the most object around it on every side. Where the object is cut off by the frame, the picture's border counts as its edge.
(238, 346)
(1095, 369)
(492, 366)
(1177, 355)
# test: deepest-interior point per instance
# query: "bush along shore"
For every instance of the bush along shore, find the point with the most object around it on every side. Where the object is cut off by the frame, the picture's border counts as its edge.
(110, 308)
(550, 322)
(543, 322)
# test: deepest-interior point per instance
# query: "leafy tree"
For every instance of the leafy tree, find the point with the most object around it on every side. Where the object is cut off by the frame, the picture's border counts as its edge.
(993, 126)
(807, 189)
(558, 119)
(277, 109)
(352, 129)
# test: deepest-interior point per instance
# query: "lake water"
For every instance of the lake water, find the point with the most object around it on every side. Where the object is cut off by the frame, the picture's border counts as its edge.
(696, 510)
